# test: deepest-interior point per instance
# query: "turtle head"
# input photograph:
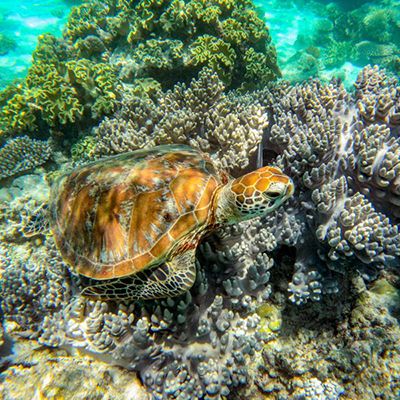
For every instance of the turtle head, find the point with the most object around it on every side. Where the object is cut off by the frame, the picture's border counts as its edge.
(254, 194)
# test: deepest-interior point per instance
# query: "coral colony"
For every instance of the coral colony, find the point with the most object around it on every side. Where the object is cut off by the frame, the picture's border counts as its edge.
(300, 303)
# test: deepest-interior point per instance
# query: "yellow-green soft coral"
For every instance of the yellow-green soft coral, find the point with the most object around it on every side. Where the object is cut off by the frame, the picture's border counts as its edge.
(98, 82)
(213, 53)
(16, 112)
(58, 92)
(53, 95)
(259, 69)
(145, 34)
(83, 148)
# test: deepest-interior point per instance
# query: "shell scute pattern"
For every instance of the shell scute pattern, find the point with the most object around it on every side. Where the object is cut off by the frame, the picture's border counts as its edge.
(121, 215)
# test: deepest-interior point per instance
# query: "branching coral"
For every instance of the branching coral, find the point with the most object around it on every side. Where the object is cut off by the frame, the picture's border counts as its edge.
(340, 229)
(22, 154)
(343, 153)
(227, 126)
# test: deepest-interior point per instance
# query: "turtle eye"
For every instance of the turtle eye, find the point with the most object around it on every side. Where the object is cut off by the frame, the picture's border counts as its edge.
(274, 195)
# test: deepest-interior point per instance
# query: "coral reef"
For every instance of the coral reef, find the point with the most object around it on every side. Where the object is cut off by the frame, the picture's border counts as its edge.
(300, 303)
(343, 153)
(337, 349)
(78, 79)
(172, 36)
(229, 127)
(23, 154)
(372, 30)
(347, 38)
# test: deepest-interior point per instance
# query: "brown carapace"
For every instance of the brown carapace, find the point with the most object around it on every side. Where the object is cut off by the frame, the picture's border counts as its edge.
(131, 223)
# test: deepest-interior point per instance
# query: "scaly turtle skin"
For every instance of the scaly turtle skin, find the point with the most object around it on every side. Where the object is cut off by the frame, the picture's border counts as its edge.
(130, 224)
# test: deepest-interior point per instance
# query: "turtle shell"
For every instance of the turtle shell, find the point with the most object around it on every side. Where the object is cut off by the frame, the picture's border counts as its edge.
(120, 215)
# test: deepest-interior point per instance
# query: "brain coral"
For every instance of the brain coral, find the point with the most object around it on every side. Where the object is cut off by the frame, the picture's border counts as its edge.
(342, 151)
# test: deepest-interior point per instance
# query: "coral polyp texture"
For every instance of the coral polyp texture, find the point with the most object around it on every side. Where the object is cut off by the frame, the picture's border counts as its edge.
(79, 78)
(321, 270)
(200, 114)
(23, 154)
(343, 152)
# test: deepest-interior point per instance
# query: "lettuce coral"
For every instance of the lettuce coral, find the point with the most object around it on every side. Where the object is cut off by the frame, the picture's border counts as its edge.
(180, 37)
(58, 92)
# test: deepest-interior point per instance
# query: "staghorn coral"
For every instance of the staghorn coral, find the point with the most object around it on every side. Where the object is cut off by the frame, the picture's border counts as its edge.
(200, 115)
(22, 154)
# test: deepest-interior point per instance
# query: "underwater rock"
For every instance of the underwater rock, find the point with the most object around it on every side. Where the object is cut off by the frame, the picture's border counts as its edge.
(57, 374)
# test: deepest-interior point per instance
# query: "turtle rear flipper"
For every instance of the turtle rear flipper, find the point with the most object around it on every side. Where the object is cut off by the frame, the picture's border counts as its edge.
(170, 279)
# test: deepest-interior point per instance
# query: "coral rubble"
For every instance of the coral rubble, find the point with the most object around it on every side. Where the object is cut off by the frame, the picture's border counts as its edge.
(56, 374)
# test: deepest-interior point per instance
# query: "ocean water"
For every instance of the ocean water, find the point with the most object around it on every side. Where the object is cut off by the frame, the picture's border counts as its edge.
(23, 21)
(193, 207)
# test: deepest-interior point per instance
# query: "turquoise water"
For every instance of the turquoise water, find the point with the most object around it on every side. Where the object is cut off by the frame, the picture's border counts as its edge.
(23, 21)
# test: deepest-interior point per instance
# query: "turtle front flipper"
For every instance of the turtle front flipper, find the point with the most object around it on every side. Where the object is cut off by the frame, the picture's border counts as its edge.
(170, 279)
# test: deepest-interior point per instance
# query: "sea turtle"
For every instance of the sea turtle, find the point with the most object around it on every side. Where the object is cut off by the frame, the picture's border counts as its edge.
(130, 223)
